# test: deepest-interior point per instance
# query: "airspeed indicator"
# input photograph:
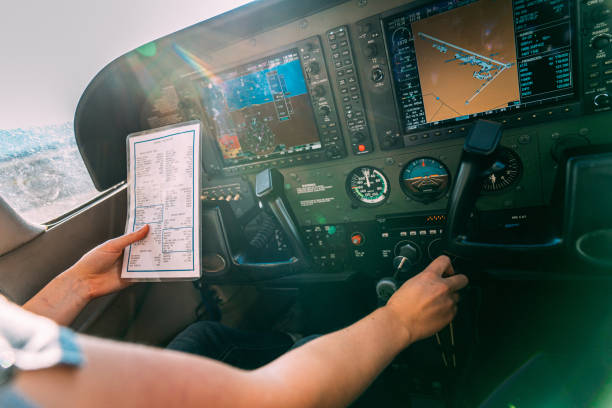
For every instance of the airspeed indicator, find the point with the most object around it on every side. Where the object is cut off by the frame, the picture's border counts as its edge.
(367, 186)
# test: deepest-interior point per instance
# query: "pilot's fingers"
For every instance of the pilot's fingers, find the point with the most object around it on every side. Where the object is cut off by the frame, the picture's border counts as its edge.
(121, 242)
(440, 266)
(449, 271)
(456, 282)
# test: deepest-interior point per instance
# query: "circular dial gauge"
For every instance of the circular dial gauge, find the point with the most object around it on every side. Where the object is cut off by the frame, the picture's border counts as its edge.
(506, 171)
(425, 179)
(367, 185)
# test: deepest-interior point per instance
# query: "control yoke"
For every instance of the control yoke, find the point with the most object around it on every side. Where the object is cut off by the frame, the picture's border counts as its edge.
(270, 189)
(477, 161)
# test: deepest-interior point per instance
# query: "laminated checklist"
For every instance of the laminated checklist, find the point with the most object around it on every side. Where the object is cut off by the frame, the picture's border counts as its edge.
(163, 192)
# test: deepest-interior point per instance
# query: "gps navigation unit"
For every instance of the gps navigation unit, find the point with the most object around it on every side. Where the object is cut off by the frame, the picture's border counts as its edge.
(454, 60)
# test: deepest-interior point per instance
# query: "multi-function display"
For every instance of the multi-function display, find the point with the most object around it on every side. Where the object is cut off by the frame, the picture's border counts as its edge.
(261, 109)
(457, 59)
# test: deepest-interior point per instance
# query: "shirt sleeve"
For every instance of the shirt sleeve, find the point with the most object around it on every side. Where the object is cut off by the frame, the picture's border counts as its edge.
(32, 342)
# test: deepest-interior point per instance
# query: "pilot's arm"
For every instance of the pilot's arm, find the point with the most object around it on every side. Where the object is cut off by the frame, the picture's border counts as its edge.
(96, 274)
(330, 371)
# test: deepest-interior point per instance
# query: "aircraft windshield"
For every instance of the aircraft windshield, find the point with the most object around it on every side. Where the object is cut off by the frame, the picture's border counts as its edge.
(45, 70)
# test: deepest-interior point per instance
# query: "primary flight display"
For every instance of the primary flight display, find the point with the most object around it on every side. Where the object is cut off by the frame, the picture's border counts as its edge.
(261, 109)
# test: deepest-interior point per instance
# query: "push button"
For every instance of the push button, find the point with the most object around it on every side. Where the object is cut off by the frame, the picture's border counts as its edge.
(357, 239)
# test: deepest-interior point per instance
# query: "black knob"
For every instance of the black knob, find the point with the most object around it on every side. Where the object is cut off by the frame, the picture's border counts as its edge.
(358, 137)
(332, 151)
(318, 91)
(601, 41)
(601, 100)
(370, 50)
(436, 248)
(410, 251)
(408, 257)
(324, 110)
(377, 75)
(314, 68)
(365, 28)
(385, 288)
(390, 140)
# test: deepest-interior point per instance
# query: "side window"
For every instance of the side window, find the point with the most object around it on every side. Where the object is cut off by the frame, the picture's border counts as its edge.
(42, 175)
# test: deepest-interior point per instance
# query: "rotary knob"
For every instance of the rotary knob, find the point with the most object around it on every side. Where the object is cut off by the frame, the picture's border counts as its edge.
(601, 101)
(390, 140)
(314, 68)
(370, 50)
(332, 152)
(357, 137)
(365, 28)
(324, 110)
(318, 91)
(601, 41)
(377, 75)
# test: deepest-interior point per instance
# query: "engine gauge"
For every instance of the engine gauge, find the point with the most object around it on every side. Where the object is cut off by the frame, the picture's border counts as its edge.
(367, 186)
(506, 171)
(425, 179)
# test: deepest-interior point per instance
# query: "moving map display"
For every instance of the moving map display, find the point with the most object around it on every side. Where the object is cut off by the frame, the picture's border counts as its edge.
(261, 109)
(454, 60)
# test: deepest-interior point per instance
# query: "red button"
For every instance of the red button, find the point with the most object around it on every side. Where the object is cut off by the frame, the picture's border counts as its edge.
(357, 239)
(361, 148)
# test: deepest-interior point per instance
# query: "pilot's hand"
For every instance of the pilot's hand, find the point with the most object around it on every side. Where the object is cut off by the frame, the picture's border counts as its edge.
(428, 302)
(100, 269)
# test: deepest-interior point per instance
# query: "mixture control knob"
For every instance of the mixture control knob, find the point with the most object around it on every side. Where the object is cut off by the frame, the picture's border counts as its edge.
(318, 91)
(377, 75)
(370, 50)
(314, 68)
(601, 101)
(324, 110)
(601, 41)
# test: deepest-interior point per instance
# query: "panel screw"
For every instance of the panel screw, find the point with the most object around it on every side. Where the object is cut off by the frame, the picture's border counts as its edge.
(303, 24)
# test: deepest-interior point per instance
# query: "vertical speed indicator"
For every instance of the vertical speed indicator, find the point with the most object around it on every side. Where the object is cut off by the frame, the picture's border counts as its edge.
(367, 186)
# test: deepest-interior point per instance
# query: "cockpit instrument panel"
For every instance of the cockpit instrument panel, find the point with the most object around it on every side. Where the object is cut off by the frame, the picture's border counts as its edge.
(456, 60)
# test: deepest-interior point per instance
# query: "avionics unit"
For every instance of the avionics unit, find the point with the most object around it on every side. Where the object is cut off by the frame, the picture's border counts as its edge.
(451, 61)
(277, 110)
